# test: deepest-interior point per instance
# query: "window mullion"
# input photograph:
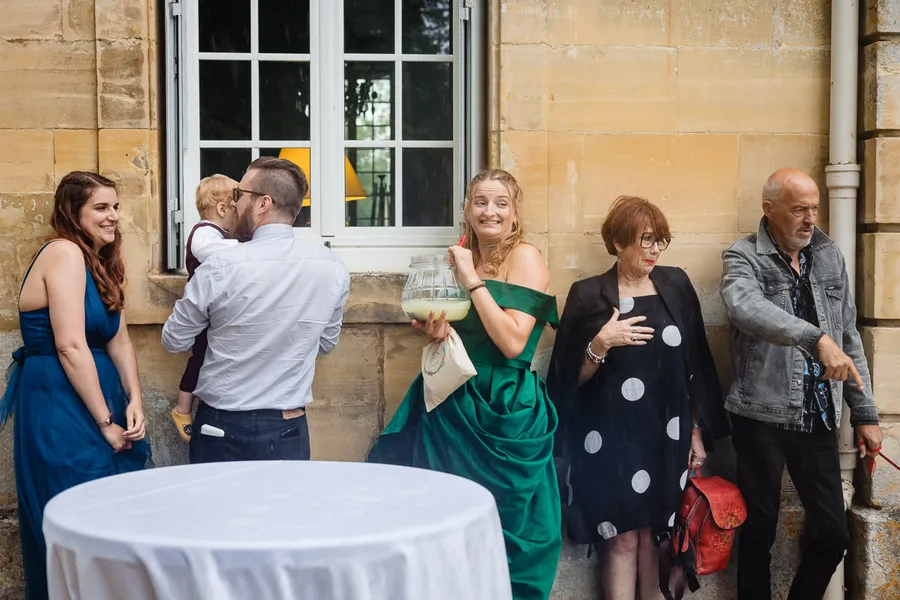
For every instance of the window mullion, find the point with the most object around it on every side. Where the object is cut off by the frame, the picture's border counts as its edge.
(397, 190)
(459, 106)
(330, 61)
(314, 177)
(254, 76)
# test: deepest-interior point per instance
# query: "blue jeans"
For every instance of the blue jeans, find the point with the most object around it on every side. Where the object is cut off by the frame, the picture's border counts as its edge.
(248, 435)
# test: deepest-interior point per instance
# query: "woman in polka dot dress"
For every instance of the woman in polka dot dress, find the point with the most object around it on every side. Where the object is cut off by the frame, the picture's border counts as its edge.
(638, 396)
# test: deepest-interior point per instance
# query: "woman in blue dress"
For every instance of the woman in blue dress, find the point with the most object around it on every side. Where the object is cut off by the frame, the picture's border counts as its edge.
(73, 386)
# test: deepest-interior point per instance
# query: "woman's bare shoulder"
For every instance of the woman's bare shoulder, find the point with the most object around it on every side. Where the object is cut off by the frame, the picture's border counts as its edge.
(59, 256)
(525, 266)
(525, 253)
(63, 250)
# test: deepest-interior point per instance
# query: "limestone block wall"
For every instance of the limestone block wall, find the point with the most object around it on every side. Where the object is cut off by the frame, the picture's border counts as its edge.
(875, 563)
(691, 104)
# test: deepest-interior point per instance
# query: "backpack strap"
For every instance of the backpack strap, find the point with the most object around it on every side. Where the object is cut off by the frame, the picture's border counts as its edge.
(670, 570)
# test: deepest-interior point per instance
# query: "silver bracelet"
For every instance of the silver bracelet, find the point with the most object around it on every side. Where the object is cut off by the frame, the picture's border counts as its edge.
(593, 358)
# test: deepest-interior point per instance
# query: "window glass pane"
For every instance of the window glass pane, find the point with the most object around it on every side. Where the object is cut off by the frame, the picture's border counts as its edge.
(368, 26)
(224, 25)
(284, 26)
(369, 187)
(231, 162)
(301, 158)
(284, 100)
(427, 101)
(224, 100)
(428, 187)
(369, 101)
(426, 27)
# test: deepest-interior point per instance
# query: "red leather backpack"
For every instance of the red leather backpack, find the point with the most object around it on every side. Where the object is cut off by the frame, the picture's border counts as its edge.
(700, 543)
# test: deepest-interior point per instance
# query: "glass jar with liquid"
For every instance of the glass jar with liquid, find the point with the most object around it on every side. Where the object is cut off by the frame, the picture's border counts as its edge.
(431, 286)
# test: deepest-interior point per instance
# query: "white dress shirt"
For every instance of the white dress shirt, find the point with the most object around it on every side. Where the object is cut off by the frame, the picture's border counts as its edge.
(206, 240)
(272, 305)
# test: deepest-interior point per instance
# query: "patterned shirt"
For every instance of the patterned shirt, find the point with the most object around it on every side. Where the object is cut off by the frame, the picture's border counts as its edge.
(818, 409)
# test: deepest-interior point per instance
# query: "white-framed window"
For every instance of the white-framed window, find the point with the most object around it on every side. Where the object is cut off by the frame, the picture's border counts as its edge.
(379, 101)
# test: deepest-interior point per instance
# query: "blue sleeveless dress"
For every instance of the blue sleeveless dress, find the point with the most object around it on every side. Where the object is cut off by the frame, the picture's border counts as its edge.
(57, 445)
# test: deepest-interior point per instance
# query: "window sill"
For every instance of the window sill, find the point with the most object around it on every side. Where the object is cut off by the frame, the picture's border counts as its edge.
(374, 297)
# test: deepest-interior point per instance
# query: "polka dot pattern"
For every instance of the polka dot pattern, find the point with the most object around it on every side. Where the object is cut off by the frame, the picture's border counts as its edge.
(671, 336)
(672, 520)
(640, 481)
(593, 442)
(673, 429)
(683, 481)
(626, 305)
(607, 530)
(633, 389)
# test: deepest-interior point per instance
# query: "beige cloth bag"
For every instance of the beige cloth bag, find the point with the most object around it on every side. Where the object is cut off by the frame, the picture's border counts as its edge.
(445, 367)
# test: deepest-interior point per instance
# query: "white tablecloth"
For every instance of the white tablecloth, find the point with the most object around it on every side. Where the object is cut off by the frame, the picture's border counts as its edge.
(276, 530)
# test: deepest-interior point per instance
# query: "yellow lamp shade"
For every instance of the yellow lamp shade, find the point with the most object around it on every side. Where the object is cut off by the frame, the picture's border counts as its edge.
(353, 189)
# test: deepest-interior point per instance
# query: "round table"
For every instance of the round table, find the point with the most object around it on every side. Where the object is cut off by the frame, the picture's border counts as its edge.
(276, 530)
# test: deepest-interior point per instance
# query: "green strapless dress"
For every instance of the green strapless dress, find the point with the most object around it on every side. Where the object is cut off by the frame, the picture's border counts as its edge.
(497, 430)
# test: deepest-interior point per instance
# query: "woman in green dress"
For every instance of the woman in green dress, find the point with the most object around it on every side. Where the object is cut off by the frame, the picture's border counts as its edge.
(497, 429)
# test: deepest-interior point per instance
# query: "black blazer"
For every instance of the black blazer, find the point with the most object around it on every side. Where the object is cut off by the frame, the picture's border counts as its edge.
(589, 307)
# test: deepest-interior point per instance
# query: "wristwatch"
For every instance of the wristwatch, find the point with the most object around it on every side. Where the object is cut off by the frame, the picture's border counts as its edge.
(105, 422)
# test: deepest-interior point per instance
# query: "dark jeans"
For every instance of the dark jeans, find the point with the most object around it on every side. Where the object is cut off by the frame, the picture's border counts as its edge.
(812, 461)
(249, 435)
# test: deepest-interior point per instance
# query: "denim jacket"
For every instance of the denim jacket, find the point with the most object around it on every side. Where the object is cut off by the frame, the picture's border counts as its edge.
(771, 343)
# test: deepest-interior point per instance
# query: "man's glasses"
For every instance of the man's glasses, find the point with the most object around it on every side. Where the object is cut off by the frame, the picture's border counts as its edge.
(648, 239)
(236, 194)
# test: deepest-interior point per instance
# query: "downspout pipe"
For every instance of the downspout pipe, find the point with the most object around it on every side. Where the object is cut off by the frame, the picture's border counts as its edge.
(842, 176)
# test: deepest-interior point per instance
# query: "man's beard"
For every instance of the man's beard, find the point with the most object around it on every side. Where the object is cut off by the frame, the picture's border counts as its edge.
(244, 228)
(799, 243)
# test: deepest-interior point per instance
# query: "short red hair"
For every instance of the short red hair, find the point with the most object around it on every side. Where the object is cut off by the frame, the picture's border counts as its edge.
(628, 218)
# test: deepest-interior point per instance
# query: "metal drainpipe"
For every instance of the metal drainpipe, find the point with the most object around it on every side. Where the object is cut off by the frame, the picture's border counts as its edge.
(842, 181)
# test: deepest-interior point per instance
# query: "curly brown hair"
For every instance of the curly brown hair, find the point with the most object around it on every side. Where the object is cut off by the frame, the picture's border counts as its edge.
(507, 243)
(106, 265)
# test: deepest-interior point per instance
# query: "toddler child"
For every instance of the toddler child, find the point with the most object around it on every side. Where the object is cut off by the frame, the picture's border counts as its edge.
(218, 216)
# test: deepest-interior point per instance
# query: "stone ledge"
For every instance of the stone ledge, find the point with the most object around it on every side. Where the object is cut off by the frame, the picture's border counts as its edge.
(874, 548)
(374, 297)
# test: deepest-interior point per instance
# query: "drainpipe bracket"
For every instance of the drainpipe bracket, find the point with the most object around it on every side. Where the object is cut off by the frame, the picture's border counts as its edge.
(842, 177)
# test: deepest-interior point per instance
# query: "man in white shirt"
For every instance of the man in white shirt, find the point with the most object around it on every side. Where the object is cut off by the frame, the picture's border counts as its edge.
(272, 304)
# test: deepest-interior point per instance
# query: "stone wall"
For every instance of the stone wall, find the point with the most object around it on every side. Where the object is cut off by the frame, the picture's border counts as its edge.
(875, 565)
(77, 91)
(691, 104)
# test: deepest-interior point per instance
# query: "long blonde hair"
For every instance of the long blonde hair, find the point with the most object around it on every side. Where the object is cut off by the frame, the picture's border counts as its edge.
(506, 244)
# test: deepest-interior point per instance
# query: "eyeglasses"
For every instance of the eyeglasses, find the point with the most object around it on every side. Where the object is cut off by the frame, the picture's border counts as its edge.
(648, 239)
(236, 194)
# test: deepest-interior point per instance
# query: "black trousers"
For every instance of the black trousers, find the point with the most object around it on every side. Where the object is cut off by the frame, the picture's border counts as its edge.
(814, 467)
(247, 435)
(192, 369)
